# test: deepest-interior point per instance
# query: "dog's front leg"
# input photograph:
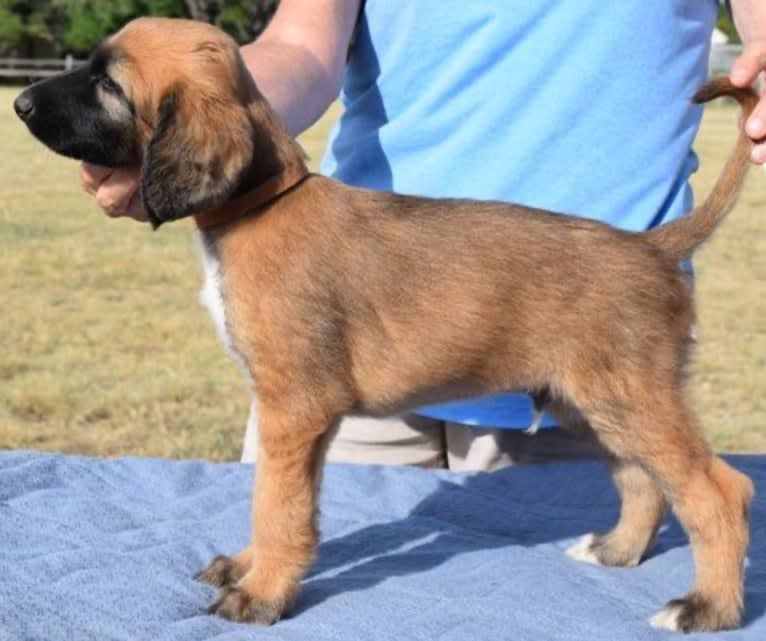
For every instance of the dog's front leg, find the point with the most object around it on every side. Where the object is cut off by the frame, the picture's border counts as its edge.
(284, 532)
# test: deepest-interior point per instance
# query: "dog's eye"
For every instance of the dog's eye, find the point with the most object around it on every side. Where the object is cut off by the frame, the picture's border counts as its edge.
(107, 83)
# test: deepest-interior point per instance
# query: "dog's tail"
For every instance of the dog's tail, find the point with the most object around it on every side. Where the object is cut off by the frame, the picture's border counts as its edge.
(681, 237)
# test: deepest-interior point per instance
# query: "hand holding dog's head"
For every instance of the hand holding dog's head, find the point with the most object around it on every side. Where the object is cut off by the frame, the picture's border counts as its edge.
(179, 102)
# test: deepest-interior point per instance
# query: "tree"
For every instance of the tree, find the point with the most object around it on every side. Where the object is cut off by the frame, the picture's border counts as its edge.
(89, 21)
(243, 20)
(205, 10)
(726, 24)
(27, 26)
(11, 27)
(259, 13)
(53, 27)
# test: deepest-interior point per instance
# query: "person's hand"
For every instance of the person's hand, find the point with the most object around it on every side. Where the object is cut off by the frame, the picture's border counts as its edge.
(750, 20)
(116, 190)
(747, 68)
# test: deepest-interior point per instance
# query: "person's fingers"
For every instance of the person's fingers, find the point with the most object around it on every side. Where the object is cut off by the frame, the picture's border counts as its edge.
(135, 208)
(748, 67)
(756, 127)
(756, 123)
(749, 64)
(116, 190)
(758, 154)
(118, 194)
(91, 176)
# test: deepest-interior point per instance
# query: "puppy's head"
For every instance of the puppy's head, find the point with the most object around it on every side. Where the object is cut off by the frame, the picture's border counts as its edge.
(172, 96)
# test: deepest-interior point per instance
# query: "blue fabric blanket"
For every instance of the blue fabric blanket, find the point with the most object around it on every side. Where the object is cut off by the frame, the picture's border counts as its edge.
(106, 549)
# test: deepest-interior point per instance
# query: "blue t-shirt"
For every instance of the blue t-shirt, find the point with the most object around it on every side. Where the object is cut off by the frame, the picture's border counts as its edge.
(577, 106)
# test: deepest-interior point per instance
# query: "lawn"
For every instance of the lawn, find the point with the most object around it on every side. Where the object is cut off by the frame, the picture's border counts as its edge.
(105, 349)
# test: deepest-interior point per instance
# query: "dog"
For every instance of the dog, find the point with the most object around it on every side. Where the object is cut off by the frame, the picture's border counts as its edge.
(329, 296)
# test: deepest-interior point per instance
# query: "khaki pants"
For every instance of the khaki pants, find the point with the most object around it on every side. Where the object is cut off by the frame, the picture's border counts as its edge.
(425, 442)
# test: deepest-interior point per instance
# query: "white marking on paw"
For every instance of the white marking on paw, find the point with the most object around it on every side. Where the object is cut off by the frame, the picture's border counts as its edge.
(581, 551)
(632, 563)
(667, 618)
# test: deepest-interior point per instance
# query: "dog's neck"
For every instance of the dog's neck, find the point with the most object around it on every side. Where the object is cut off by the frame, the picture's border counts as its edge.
(253, 200)
(278, 165)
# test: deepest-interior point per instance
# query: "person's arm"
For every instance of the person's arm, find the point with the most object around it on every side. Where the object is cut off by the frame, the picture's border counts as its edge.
(750, 20)
(297, 63)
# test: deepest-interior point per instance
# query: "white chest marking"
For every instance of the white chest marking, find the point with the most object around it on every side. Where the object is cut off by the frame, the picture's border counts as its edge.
(211, 297)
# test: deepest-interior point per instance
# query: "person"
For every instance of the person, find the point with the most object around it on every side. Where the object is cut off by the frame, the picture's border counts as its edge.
(577, 106)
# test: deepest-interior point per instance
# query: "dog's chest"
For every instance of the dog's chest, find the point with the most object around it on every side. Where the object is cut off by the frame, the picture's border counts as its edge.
(212, 297)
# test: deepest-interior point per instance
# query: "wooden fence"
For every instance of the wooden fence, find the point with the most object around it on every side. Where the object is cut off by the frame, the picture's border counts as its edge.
(31, 68)
(721, 58)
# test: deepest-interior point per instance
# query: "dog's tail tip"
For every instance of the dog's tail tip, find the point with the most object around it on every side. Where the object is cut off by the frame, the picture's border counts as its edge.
(681, 237)
(722, 86)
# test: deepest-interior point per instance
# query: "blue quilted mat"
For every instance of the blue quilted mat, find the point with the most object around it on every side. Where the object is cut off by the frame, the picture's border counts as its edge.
(98, 550)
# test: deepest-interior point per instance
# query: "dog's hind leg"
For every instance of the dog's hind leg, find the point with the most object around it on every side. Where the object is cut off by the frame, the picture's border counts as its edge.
(641, 513)
(292, 442)
(642, 502)
(712, 501)
(648, 423)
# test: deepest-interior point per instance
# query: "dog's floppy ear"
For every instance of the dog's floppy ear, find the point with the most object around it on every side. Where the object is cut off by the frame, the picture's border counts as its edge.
(196, 157)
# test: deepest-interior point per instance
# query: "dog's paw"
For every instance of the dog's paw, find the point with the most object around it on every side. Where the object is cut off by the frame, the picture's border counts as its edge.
(583, 550)
(235, 604)
(220, 572)
(695, 613)
(603, 550)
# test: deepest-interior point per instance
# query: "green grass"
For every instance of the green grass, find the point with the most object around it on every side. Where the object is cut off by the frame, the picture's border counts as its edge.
(105, 350)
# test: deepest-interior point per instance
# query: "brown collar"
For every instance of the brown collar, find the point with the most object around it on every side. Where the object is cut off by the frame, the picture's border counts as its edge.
(274, 187)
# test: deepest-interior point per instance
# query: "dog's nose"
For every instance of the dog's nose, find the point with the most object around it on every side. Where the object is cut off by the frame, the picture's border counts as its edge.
(23, 106)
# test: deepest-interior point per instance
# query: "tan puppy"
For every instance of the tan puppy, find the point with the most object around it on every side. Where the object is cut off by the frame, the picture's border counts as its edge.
(330, 296)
